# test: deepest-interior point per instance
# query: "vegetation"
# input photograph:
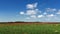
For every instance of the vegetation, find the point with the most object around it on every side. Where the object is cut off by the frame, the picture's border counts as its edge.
(29, 28)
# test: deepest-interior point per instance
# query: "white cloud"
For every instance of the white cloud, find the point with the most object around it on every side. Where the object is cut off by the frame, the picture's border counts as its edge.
(27, 18)
(39, 16)
(21, 13)
(37, 9)
(50, 9)
(35, 4)
(54, 9)
(33, 16)
(51, 15)
(45, 13)
(58, 12)
(31, 6)
(31, 12)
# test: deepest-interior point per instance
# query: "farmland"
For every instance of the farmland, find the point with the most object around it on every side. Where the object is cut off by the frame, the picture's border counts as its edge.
(29, 28)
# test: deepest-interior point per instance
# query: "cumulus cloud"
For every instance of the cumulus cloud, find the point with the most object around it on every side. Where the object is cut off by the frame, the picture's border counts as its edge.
(44, 13)
(35, 4)
(31, 12)
(38, 11)
(31, 6)
(27, 18)
(50, 9)
(33, 16)
(39, 16)
(51, 15)
(54, 9)
(21, 13)
(58, 12)
(34, 13)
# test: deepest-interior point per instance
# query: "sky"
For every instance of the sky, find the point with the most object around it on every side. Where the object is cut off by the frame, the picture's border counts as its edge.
(30, 10)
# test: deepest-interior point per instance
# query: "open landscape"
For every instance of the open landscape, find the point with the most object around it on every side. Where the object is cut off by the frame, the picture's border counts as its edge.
(29, 16)
(29, 28)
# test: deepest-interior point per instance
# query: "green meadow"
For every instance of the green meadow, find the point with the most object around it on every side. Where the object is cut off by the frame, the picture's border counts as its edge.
(29, 28)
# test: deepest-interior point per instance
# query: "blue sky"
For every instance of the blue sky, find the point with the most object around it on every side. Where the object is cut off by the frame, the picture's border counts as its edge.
(30, 10)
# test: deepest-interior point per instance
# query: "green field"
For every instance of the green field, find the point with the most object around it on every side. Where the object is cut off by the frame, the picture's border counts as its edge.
(29, 28)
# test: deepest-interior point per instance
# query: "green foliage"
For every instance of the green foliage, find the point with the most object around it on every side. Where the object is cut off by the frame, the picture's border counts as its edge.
(30, 29)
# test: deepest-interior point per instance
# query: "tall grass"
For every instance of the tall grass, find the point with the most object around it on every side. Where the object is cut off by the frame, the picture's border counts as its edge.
(29, 28)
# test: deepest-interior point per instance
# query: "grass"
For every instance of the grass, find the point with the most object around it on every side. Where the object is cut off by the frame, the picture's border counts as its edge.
(29, 28)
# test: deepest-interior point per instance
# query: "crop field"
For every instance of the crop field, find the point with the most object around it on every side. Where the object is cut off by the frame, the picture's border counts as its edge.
(29, 28)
